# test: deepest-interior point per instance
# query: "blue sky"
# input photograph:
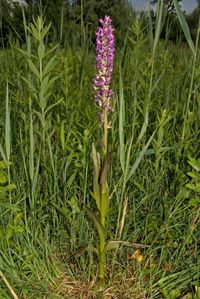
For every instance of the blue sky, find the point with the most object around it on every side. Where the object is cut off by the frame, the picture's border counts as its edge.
(188, 5)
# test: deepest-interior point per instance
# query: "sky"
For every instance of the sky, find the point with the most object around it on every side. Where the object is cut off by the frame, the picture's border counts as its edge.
(188, 5)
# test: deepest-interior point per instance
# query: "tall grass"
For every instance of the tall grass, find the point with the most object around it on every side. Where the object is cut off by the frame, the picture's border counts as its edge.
(47, 129)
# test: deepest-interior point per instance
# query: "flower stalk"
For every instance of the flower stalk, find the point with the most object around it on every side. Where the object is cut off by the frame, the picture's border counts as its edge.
(103, 94)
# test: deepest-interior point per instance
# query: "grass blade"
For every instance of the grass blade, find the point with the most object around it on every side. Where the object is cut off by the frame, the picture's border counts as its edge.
(138, 160)
(7, 125)
(121, 123)
(184, 26)
(158, 24)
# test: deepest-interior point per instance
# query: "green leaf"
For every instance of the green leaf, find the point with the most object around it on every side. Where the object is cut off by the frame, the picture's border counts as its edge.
(17, 217)
(194, 202)
(73, 203)
(33, 31)
(197, 188)
(51, 50)
(194, 163)
(22, 52)
(31, 149)
(71, 180)
(96, 170)
(45, 30)
(97, 223)
(41, 50)
(190, 186)
(138, 160)
(40, 116)
(42, 101)
(113, 244)
(35, 178)
(44, 84)
(7, 126)
(3, 154)
(174, 294)
(121, 124)
(110, 245)
(19, 229)
(9, 232)
(3, 165)
(104, 169)
(104, 201)
(33, 68)
(53, 105)
(9, 187)
(30, 85)
(159, 18)
(62, 135)
(62, 210)
(8, 206)
(144, 126)
(50, 65)
(193, 175)
(52, 80)
(184, 26)
(3, 179)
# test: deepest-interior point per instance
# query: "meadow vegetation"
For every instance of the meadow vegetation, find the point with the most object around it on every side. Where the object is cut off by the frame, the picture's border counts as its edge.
(48, 122)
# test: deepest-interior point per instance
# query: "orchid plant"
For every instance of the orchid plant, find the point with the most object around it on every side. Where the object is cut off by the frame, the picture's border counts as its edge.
(101, 161)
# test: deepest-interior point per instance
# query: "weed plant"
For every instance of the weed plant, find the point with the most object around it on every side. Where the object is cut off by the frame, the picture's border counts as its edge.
(47, 125)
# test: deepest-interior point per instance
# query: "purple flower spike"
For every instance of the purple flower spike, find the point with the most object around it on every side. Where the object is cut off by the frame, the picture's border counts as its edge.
(104, 64)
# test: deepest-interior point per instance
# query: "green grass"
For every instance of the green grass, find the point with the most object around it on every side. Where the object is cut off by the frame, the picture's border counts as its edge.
(46, 238)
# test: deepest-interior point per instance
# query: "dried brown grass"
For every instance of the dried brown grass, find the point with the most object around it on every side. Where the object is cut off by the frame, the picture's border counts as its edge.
(121, 288)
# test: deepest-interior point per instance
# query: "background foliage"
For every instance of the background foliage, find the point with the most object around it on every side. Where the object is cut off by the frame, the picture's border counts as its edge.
(72, 20)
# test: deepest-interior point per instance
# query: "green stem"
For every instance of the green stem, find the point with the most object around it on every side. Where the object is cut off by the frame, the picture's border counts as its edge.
(104, 195)
(104, 204)
(104, 199)
(105, 134)
(102, 259)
